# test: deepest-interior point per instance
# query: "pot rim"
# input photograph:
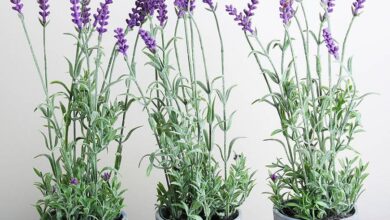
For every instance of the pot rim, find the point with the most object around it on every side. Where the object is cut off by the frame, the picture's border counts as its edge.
(279, 214)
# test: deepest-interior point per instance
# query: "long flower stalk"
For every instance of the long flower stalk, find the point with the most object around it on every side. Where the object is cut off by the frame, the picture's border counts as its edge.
(345, 44)
(191, 66)
(224, 107)
(38, 69)
(118, 158)
(178, 61)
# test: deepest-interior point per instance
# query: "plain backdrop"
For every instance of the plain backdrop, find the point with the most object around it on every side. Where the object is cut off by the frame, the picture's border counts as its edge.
(20, 93)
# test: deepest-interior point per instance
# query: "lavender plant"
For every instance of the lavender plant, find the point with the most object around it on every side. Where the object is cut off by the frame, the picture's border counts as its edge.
(181, 109)
(82, 120)
(317, 105)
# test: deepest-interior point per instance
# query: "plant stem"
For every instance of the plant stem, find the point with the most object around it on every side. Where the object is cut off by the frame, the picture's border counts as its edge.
(47, 86)
(191, 66)
(49, 108)
(178, 63)
(34, 56)
(345, 44)
(309, 80)
(209, 92)
(319, 74)
(224, 107)
(96, 72)
(118, 158)
(110, 67)
(303, 109)
(68, 117)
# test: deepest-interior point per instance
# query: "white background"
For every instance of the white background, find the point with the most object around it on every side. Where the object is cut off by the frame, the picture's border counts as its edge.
(20, 93)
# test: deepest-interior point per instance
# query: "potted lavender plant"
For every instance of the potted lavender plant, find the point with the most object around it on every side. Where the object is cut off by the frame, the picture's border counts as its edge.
(81, 121)
(181, 108)
(317, 106)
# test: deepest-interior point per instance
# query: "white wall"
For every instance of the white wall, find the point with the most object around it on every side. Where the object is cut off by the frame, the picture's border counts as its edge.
(20, 92)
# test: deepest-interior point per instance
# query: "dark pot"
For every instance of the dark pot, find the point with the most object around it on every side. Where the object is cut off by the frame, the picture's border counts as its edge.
(122, 216)
(159, 216)
(280, 216)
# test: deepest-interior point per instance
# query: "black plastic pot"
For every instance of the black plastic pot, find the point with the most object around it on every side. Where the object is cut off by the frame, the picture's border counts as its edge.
(279, 216)
(160, 217)
(122, 216)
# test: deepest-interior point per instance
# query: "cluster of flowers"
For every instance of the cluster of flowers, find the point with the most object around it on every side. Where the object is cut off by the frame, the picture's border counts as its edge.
(143, 8)
(81, 16)
(287, 12)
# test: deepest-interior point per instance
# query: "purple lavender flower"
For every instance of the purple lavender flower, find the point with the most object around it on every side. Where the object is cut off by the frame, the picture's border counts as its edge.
(142, 8)
(76, 17)
(184, 6)
(74, 181)
(162, 11)
(357, 6)
(333, 49)
(85, 12)
(251, 8)
(121, 43)
(274, 177)
(44, 13)
(210, 3)
(17, 5)
(329, 5)
(150, 42)
(243, 20)
(151, 6)
(106, 176)
(136, 16)
(102, 16)
(286, 10)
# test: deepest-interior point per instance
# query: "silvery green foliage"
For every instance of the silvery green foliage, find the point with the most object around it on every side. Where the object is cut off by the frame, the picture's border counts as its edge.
(317, 104)
(83, 121)
(181, 104)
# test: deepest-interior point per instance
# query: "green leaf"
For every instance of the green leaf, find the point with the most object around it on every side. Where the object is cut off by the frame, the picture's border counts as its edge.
(70, 68)
(318, 65)
(130, 133)
(211, 112)
(272, 45)
(231, 144)
(61, 84)
(37, 172)
(272, 76)
(350, 64)
(277, 131)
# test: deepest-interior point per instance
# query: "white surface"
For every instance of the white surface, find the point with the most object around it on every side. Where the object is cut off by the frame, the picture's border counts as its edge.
(20, 92)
